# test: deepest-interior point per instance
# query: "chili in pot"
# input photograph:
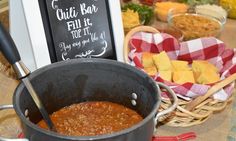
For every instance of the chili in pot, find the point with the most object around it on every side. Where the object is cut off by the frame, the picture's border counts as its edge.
(93, 118)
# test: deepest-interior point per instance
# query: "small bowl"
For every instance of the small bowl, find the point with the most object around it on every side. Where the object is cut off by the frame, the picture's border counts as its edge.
(196, 25)
(162, 9)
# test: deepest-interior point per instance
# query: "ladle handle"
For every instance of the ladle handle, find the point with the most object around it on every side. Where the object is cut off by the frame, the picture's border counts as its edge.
(9, 50)
(8, 47)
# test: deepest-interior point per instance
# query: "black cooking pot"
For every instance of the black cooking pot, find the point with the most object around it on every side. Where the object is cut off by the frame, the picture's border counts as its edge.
(74, 81)
(65, 83)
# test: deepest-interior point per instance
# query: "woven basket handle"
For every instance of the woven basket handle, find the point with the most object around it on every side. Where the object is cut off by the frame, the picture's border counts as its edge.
(190, 106)
(131, 33)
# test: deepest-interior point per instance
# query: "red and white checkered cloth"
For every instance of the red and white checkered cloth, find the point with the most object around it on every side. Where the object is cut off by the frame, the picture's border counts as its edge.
(210, 49)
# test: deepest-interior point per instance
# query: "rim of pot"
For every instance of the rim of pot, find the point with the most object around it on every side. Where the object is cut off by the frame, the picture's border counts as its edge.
(84, 138)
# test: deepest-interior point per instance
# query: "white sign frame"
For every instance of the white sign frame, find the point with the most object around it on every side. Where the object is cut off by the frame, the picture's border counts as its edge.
(37, 35)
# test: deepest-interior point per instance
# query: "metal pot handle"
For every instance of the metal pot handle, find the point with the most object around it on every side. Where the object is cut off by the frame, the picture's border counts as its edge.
(171, 108)
(5, 107)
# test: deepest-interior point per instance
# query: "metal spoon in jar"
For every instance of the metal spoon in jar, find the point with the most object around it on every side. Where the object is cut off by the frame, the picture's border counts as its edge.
(9, 50)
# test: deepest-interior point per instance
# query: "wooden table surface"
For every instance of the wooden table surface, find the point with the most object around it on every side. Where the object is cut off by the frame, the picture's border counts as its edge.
(217, 128)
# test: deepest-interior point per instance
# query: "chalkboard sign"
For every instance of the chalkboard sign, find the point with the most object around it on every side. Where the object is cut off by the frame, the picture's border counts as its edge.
(78, 29)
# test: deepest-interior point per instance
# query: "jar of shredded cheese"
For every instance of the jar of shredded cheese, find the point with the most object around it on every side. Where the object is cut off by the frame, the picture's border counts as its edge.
(162, 9)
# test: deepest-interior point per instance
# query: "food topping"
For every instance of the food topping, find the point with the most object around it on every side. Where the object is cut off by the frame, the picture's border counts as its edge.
(195, 26)
(130, 19)
(211, 10)
(231, 6)
(197, 2)
(145, 12)
(163, 8)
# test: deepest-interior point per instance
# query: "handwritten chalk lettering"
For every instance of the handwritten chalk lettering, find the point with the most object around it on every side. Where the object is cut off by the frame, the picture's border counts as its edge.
(93, 37)
(65, 50)
(84, 42)
(104, 48)
(86, 31)
(54, 6)
(76, 34)
(103, 35)
(72, 25)
(63, 56)
(88, 9)
(87, 22)
(84, 25)
(69, 13)
(64, 47)
(76, 44)
(86, 54)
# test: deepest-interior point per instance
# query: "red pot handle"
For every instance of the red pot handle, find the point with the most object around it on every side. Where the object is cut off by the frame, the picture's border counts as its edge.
(182, 137)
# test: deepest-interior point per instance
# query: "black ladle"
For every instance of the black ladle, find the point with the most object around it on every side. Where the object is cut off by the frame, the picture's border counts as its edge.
(9, 50)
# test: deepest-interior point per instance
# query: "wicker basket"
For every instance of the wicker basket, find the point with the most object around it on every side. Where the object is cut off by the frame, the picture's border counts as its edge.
(187, 113)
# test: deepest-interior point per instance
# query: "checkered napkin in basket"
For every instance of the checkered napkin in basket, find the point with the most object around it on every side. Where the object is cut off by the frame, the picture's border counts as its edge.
(210, 49)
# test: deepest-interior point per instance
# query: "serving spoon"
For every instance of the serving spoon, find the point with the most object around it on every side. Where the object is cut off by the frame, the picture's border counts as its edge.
(9, 50)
